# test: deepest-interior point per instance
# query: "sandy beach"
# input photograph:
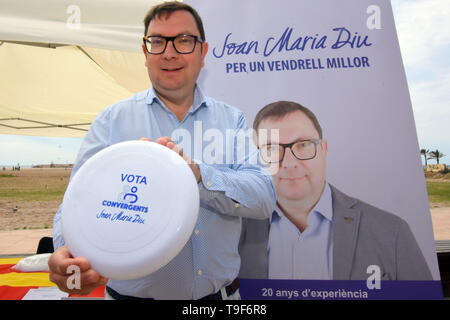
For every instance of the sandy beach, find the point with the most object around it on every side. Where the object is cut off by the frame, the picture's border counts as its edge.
(441, 223)
(21, 242)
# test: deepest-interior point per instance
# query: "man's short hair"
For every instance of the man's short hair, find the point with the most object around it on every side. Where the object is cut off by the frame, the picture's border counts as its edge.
(280, 109)
(167, 8)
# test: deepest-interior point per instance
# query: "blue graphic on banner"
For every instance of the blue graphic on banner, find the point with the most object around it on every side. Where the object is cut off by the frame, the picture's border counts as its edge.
(264, 289)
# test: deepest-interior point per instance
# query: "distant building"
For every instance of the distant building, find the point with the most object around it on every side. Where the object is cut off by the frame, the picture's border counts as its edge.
(436, 167)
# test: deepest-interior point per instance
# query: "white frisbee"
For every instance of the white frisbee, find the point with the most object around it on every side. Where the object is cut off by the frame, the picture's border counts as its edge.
(130, 209)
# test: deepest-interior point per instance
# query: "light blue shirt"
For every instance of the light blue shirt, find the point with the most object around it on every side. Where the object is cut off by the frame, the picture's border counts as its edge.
(233, 185)
(306, 255)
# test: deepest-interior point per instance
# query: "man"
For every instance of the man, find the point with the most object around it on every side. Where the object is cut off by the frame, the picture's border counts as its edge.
(175, 48)
(316, 231)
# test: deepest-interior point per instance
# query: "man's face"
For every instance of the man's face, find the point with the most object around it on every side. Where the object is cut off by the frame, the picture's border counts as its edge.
(297, 179)
(170, 72)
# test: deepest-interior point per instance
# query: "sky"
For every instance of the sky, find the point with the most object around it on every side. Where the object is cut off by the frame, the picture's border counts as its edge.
(423, 30)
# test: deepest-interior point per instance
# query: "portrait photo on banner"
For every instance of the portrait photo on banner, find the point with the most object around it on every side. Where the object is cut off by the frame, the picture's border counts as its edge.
(328, 81)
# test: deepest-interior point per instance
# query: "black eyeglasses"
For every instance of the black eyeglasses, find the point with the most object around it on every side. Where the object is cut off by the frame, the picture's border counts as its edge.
(301, 149)
(183, 43)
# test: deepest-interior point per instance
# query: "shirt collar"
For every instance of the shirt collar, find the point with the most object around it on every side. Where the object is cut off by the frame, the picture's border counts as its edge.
(324, 206)
(199, 99)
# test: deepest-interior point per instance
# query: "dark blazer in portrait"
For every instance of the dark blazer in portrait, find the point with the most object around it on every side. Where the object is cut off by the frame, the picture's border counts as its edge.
(363, 235)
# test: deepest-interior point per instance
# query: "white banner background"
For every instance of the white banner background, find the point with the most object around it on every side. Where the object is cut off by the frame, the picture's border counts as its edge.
(365, 112)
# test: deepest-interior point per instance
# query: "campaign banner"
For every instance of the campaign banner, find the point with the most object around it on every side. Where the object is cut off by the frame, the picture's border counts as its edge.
(342, 61)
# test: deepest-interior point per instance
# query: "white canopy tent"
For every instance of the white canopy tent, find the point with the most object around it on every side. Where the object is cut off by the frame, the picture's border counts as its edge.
(63, 61)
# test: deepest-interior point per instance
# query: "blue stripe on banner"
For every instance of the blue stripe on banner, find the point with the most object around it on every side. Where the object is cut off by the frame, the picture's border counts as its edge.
(263, 289)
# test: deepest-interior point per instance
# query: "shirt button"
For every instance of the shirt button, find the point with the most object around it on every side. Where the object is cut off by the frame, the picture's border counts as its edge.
(208, 183)
(197, 232)
(199, 272)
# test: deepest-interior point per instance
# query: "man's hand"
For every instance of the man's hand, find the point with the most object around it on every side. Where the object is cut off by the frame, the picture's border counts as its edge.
(58, 264)
(167, 142)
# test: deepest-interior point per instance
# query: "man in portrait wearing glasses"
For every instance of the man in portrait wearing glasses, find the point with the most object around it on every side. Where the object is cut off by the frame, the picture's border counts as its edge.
(318, 232)
(175, 48)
